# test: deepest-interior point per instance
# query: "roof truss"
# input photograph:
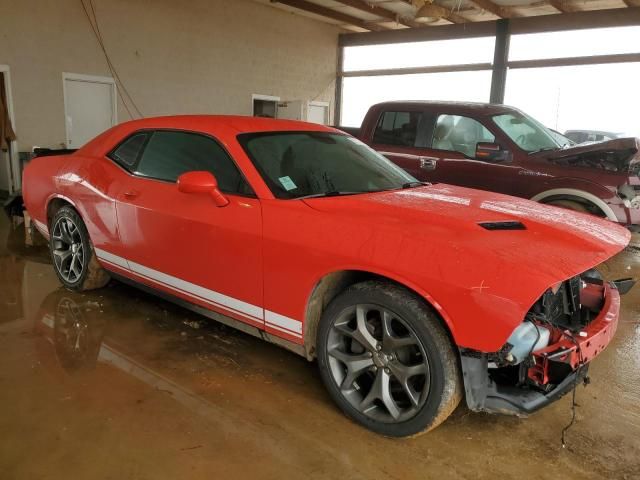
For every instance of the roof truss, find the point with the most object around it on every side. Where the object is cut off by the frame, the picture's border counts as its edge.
(382, 15)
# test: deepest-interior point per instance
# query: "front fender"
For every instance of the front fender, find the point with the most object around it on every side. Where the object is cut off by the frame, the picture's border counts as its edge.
(399, 279)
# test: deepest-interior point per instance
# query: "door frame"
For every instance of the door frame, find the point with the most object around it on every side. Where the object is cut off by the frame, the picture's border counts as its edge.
(90, 79)
(13, 166)
(268, 98)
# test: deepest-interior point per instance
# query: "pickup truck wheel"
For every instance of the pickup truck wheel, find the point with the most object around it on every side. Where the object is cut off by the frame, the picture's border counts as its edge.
(387, 361)
(569, 205)
(72, 253)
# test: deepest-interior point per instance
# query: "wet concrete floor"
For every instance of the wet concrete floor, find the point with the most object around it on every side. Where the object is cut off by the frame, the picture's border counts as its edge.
(117, 384)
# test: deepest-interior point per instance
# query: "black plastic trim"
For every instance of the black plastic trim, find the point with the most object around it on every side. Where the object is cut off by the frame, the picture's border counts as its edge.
(503, 225)
(484, 395)
(623, 285)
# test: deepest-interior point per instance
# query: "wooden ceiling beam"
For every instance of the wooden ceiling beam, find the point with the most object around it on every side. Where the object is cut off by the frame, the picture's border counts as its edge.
(455, 18)
(451, 16)
(379, 11)
(332, 14)
(497, 10)
(563, 6)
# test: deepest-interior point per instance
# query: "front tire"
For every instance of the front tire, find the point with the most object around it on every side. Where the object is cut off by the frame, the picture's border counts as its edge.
(577, 206)
(569, 205)
(72, 253)
(387, 361)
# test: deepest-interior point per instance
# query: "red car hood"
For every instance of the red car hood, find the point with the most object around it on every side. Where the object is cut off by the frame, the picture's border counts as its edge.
(461, 209)
(430, 237)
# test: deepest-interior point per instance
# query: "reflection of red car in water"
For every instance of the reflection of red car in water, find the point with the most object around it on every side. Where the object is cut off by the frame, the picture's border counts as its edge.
(305, 237)
(501, 149)
(74, 337)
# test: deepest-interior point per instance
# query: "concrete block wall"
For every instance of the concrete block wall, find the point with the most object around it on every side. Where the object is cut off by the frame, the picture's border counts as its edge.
(195, 56)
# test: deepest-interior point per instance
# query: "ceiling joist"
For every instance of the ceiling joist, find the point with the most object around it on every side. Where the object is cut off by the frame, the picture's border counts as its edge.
(497, 10)
(329, 13)
(425, 14)
(450, 16)
(455, 18)
(563, 6)
(379, 11)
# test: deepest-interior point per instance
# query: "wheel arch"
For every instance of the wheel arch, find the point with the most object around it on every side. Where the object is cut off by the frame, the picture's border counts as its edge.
(576, 195)
(55, 203)
(333, 283)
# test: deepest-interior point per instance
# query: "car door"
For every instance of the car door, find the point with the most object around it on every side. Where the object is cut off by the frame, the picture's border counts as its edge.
(453, 145)
(183, 243)
(401, 136)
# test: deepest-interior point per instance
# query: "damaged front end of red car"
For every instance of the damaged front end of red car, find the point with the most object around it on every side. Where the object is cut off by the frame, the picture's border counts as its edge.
(549, 353)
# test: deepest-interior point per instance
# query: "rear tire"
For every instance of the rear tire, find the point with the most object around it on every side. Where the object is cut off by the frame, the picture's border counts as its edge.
(387, 361)
(72, 253)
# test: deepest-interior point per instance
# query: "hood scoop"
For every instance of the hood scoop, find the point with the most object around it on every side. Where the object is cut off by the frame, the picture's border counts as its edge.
(503, 225)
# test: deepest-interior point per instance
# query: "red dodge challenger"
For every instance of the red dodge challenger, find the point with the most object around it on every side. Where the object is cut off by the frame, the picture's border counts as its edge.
(409, 295)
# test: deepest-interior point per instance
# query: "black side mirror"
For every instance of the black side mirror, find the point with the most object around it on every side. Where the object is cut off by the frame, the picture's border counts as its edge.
(492, 152)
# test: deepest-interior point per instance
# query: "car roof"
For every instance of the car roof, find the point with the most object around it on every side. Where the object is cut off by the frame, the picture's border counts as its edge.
(236, 123)
(476, 107)
(222, 127)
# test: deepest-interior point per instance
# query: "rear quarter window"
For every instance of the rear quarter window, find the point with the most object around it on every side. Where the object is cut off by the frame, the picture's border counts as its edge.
(128, 152)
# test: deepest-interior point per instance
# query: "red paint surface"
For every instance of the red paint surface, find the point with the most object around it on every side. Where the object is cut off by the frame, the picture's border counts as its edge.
(272, 253)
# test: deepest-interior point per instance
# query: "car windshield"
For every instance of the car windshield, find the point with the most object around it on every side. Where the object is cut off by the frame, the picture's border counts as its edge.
(527, 133)
(562, 140)
(303, 164)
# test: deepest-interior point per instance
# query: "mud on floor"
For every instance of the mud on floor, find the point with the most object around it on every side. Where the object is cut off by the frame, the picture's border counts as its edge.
(119, 384)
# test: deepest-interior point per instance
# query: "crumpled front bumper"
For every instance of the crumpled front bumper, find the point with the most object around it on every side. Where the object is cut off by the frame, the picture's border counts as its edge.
(580, 349)
(557, 368)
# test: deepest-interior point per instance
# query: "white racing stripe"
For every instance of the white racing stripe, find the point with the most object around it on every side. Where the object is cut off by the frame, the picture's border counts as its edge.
(283, 330)
(111, 258)
(277, 320)
(215, 297)
(274, 320)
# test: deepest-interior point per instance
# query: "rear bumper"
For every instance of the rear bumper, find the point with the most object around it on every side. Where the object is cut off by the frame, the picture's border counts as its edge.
(554, 371)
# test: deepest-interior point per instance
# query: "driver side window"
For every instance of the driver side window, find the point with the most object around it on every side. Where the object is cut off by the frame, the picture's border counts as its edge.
(167, 154)
(456, 133)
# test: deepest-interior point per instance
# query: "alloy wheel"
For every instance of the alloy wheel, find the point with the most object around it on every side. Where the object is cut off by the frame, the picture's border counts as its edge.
(378, 363)
(68, 249)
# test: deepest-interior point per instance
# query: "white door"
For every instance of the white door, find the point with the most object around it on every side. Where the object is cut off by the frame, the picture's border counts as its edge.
(10, 175)
(90, 107)
(318, 113)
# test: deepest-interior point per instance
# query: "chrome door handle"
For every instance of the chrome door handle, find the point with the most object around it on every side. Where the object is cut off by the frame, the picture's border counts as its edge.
(428, 163)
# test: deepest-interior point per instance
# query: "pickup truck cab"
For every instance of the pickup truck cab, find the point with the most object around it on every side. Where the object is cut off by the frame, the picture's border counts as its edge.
(501, 149)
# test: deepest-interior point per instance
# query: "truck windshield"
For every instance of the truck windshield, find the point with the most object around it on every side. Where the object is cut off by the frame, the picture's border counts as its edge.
(529, 134)
(303, 164)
